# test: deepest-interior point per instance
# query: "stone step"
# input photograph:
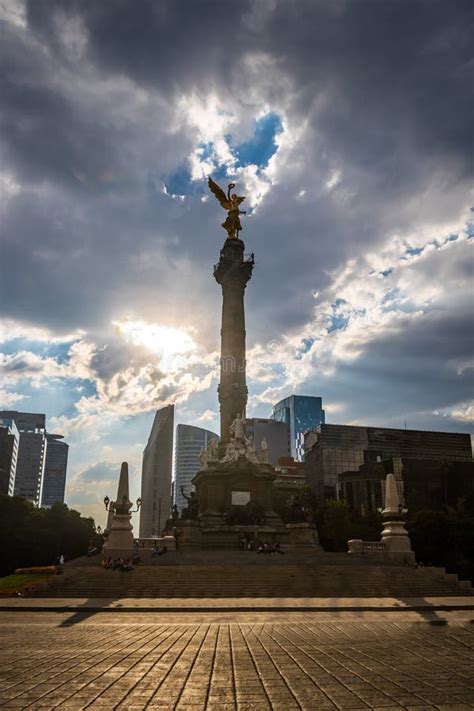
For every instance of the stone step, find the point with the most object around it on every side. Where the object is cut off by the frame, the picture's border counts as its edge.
(255, 581)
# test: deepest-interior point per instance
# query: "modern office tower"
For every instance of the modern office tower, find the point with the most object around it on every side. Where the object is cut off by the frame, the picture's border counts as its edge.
(276, 433)
(301, 413)
(31, 453)
(9, 444)
(30, 465)
(42, 459)
(189, 441)
(54, 480)
(334, 450)
(156, 474)
(25, 421)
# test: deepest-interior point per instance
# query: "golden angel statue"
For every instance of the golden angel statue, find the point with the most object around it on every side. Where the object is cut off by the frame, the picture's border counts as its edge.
(229, 202)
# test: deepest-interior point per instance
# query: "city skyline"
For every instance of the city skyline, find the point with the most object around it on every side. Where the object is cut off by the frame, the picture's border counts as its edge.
(350, 140)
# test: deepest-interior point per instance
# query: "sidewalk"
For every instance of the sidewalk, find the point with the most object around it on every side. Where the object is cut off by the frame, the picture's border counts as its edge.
(301, 604)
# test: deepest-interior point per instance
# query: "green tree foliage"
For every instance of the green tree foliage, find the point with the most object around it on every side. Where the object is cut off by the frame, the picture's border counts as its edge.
(334, 525)
(335, 521)
(444, 538)
(295, 506)
(31, 536)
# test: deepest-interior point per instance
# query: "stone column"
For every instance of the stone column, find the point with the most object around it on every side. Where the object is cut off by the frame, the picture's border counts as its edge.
(232, 272)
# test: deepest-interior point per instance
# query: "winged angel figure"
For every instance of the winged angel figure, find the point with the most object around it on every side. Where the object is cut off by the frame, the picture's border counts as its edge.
(229, 202)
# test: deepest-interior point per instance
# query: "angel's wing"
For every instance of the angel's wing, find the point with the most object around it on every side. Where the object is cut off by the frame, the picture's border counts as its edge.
(239, 200)
(219, 193)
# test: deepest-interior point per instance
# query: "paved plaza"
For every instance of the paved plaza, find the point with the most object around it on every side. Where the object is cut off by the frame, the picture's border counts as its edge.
(224, 660)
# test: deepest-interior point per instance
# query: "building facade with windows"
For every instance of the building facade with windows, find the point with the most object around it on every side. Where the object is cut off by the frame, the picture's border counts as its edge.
(30, 466)
(55, 469)
(301, 413)
(31, 453)
(9, 446)
(41, 462)
(334, 450)
(156, 474)
(188, 444)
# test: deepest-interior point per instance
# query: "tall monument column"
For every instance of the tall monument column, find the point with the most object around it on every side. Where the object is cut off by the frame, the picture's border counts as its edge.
(232, 272)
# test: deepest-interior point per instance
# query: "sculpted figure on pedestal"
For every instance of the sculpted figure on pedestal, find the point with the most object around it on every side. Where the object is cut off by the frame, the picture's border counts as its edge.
(212, 450)
(229, 202)
(231, 452)
(237, 428)
(251, 452)
(264, 451)
(203, 458)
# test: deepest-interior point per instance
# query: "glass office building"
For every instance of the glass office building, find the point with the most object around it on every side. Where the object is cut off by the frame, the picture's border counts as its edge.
(332, 450)
(189, 441)
(301, 413)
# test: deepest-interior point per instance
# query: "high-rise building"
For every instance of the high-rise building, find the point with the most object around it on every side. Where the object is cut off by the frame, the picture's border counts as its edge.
(31, 453)
(54, 480)
(189, 441)
(276, 433)
(301, 413)
(333, 450)
(156, 474)
(25, 421)
(30, 465)
(42, 459)
(9, 444)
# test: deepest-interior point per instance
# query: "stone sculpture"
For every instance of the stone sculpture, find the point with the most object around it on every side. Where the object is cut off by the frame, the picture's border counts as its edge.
(202, 456)
(237, 428)
(213, 450)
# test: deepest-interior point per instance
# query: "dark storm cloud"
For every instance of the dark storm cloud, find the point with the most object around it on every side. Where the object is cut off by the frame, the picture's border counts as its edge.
(393, 75)
(90, 125)
(396, 72)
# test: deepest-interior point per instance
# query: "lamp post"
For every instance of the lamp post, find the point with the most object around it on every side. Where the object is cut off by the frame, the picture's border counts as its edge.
(125, 506)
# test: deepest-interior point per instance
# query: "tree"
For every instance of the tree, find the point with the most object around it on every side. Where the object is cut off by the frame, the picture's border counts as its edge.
(34, 536)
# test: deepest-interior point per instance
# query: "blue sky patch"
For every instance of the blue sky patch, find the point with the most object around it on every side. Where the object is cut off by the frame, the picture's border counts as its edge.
(262, 146)
(179, 182)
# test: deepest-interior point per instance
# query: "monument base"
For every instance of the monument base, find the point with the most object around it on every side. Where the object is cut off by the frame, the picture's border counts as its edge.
(224, 489)
(198, 534)
(119, 543)
(303, 535)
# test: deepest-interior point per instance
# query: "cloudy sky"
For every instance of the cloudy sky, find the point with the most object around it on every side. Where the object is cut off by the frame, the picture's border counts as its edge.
(348, 126)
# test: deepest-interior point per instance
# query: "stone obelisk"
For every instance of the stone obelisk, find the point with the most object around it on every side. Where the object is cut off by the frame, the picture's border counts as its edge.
(232, 272)
(119, 543)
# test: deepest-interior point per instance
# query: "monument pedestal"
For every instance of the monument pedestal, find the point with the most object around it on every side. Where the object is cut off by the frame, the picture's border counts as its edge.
(226, 489)
(119, 542)
(222, 486)
(303, 535)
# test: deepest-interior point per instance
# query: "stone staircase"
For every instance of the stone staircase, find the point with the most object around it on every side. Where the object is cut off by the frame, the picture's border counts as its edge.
(257, 577)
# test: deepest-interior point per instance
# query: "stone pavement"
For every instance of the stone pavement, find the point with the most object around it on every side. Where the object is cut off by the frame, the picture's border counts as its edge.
(240, 661)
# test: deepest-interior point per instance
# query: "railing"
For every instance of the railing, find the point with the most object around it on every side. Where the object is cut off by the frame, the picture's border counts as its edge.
(370, 546)
(360, 547)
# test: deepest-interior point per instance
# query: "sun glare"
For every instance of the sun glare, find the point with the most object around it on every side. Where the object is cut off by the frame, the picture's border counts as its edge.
(171, 344)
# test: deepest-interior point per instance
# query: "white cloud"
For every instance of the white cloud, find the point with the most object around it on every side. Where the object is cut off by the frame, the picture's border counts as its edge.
(8, 399)
(11, 330)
